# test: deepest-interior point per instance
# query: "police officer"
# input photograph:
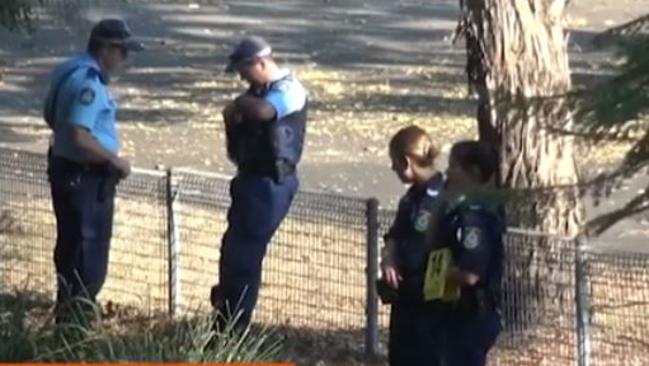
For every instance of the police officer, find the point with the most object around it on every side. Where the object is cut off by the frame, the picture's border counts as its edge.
(83, 163)
(265, 130)
(472, 227)
(415, 337)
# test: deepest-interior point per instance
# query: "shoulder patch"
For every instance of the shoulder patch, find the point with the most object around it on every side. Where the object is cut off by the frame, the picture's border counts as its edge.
(283, 85)
(422, 220)
(287, 133)
(87, 96)
(472, 238)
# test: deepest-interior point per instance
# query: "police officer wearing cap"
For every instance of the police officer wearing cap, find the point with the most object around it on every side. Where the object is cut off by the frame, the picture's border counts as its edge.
(265, 129)
(84, 165)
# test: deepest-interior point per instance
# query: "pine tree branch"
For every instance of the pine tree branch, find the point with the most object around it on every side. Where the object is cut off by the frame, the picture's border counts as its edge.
(604, 222)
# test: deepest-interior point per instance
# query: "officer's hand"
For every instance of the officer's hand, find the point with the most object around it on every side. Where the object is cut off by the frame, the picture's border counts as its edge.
(390, 272)
(121, 166)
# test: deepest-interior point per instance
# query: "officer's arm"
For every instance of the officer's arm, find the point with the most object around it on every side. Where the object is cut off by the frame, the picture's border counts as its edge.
(84, 111)
(463, 278)
(287, 97)
(400, 224)
(474, 253)
(255, 109)
(94, 153)
(231, 115)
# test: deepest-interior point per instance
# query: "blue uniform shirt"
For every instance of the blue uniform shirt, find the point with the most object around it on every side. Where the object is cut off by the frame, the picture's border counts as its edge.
(83, 100)
(410, 226)
(286, 95)
(474, 232)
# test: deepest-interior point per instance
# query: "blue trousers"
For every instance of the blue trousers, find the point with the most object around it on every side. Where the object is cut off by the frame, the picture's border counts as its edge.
(415, 335)
(259, 204)
(468, 341)
(83, 204)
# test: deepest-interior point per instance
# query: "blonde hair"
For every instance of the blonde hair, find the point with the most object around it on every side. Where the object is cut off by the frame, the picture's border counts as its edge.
(414, 142)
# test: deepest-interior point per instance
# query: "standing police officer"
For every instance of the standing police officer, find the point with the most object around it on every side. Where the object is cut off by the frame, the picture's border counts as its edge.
(265, 129)
(472, 226)
(83, 162)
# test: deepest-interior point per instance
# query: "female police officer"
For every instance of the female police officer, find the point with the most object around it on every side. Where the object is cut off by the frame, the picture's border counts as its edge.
(415, 325)
(471, 227)
(265, 129)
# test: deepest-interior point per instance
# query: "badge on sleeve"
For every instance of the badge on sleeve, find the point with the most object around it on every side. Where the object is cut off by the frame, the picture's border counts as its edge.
(287, 134)
(421, 223)
(87, 96)
(472, 238)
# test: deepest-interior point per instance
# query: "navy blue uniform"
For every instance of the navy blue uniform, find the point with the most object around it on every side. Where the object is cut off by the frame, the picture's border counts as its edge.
(474, 231)
(415, 335)
(82, 194)
(266, 154)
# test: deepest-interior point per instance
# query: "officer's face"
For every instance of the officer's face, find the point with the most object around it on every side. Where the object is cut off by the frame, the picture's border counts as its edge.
(402, 168)
(113, 58)
(458, 177)
(254, 72)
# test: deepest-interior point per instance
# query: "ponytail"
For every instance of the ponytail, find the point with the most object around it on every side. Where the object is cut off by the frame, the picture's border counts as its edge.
(414, 142)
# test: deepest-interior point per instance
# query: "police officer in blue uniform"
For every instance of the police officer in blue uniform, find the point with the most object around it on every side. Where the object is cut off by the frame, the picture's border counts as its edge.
(84, 165)
(473, 227)
(415, 324)
(265, 131)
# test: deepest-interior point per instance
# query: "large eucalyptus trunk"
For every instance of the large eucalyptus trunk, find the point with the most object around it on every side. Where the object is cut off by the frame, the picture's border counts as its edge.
(518, 56)
(518, 67)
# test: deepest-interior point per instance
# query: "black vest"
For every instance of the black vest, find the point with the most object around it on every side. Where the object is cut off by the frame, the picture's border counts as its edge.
(268, 148)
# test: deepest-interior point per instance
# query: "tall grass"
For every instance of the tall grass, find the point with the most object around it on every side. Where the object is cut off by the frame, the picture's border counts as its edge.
(24, 338)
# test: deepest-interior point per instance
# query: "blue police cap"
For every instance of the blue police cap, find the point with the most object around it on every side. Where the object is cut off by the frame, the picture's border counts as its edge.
(248, 50)
(115, 31)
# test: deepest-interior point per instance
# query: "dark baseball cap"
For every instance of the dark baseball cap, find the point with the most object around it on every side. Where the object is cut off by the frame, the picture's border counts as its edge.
(115, 31)
(248, 50)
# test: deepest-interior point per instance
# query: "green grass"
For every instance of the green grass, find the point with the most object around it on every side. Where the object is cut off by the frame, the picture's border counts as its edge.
(26, 335)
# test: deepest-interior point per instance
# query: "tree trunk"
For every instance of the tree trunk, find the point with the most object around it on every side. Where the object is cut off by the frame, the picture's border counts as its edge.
(517, 58)
(517, 53)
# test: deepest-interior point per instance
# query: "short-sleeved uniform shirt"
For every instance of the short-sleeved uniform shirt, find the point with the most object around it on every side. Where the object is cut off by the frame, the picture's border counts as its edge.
(287, 95)
(82, 100)
(474, 229)
(410, 225)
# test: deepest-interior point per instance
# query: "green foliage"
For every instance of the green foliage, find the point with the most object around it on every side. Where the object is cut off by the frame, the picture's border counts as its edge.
(17, 14)
(23, 15)
(617, 110)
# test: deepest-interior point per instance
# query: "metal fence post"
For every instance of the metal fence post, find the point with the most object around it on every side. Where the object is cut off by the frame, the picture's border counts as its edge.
(582, 303)
(173, 243)
(372, 267)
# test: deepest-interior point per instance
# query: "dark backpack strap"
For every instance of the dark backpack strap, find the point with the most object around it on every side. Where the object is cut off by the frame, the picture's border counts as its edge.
(51, 116)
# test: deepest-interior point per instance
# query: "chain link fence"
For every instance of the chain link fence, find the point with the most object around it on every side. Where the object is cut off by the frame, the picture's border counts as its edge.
(138, 257)
(563, 303)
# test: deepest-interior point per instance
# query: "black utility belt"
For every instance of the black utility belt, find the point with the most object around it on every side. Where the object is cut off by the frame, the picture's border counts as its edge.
(62, 164)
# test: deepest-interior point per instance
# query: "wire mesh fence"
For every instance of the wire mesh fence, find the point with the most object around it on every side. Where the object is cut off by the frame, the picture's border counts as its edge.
(618, 309)
(314, 273)
(138, 263)
(539, 304)
(549, 283)
(563, 304)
